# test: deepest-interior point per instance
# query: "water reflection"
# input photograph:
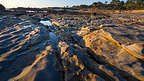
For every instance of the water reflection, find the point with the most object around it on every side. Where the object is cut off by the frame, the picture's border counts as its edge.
(47, 23)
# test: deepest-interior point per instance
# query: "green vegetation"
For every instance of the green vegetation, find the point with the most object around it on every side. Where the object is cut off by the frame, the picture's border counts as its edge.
(115, 5)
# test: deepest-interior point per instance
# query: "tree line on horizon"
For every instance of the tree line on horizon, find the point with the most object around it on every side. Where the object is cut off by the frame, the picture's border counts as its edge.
(115, 5)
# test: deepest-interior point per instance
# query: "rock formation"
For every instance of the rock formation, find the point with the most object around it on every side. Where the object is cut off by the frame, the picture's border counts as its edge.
(73, 48)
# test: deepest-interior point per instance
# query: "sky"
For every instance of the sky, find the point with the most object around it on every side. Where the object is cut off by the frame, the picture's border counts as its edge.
(45, 3)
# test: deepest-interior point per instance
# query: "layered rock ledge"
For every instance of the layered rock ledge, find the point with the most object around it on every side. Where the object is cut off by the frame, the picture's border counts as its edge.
(71, 48)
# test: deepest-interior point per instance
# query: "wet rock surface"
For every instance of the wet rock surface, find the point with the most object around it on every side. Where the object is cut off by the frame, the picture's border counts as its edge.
(25, 53)
(71, 48)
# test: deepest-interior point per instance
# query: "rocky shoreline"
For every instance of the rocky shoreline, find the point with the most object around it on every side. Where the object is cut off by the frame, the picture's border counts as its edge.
(71, 48)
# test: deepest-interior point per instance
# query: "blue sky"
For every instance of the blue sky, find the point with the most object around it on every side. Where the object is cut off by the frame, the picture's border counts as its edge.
(46, 3)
